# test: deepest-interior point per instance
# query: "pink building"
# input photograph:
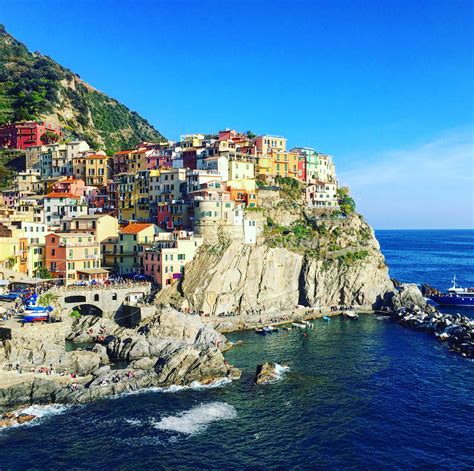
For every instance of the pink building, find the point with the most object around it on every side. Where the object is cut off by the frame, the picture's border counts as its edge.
(227, 134)
(71, 185)
(165, 260)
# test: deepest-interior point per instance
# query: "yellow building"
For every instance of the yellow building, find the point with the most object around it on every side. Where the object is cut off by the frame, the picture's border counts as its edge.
(264, 166)
(284, 164)
(265, 144)
(137, 160)
(9, 253)
(102, 226)
(93, 169)
(131, 242)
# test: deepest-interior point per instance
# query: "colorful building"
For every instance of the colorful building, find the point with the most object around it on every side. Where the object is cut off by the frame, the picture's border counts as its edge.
(321, 195)
(74, 257)
(164, 261)
(28, 133)
(267, 143)
(94, 169)
(131, 242)
(102, 226)
(71, 185)
(58, 206)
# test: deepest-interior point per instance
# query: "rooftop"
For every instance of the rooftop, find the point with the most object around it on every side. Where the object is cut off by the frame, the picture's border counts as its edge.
(55, 194)
(135, 228)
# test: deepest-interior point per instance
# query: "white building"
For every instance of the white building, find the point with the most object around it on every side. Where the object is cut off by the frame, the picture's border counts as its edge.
(62, 205)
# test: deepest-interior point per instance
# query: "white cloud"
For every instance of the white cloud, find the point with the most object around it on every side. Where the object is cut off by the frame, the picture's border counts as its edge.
(429, 186)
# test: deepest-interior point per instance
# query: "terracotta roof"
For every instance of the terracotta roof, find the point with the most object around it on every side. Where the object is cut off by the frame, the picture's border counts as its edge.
(56, 194)
(96, 156)
(135, 228)
(66, 179)
(123, 152)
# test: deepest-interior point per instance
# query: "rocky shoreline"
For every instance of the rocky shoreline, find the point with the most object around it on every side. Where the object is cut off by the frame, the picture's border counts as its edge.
(167, 348)
(456, 331)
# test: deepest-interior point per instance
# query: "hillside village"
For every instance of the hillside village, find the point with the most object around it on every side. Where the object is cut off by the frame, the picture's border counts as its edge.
(77, 215)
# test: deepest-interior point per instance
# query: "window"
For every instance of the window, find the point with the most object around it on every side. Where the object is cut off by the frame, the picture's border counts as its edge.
(53, 252)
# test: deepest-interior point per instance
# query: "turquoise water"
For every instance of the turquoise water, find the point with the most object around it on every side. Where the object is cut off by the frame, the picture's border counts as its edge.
(357, 395)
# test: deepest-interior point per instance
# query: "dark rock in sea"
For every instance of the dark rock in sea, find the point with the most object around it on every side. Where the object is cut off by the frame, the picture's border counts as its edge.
(265, 373)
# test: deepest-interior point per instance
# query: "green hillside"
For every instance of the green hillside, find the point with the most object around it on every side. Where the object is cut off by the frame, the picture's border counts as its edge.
(34, 86)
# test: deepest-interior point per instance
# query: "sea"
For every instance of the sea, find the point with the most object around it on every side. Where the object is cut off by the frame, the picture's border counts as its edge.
(366, 394)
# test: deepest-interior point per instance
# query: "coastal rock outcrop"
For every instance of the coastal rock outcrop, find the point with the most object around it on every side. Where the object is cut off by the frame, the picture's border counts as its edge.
(406, 295)
(265, 373)
(456, 331)
(343, 266)
(167, 349)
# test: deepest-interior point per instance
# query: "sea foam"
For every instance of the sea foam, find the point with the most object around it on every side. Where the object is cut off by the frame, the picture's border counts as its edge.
(197, 419)
(280, 370)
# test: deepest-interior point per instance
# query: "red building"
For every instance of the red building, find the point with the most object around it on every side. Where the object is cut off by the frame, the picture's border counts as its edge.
(190, 159)
(301, 168)
(27, 134)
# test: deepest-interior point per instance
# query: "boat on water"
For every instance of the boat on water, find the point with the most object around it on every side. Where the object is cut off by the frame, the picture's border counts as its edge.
(271, 328)
(326, 318)
(260, 331)
(299, 325)
(455, 296)
(351, 315)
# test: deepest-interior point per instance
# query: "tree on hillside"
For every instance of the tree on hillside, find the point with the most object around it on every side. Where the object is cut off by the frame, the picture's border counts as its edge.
(346, 202)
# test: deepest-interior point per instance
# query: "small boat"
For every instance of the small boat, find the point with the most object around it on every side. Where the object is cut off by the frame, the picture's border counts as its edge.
(260, 331)
(308, 324)
(326, 318)
(286, 327)
(271, 328)
(36, 316)
(36, 308)
(299, 325)
(9, 296)
(351, 315)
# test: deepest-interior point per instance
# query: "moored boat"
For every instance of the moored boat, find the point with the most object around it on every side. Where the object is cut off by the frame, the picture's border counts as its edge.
(351, 315)
(455, 296)
(326, 318)
(299, 325)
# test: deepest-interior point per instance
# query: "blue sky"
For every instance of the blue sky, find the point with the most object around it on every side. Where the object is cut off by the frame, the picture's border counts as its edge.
(386, 87)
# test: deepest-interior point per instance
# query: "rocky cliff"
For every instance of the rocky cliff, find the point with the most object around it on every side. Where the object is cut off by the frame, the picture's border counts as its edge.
(335, 262)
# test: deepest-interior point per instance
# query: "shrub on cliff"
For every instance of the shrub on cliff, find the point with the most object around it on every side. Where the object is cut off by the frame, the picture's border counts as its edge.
(346, 202)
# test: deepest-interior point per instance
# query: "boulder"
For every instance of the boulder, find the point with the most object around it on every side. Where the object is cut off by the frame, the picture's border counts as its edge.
(408, 295)
(144, 363)
(174, 325)
(23, 418)
(265, 373)
(102, 352)
(83, 361)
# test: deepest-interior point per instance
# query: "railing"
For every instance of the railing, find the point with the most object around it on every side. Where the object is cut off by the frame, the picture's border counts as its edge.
(113, 286)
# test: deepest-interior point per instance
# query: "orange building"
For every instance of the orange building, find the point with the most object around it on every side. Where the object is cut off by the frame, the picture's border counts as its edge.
(74, 256)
